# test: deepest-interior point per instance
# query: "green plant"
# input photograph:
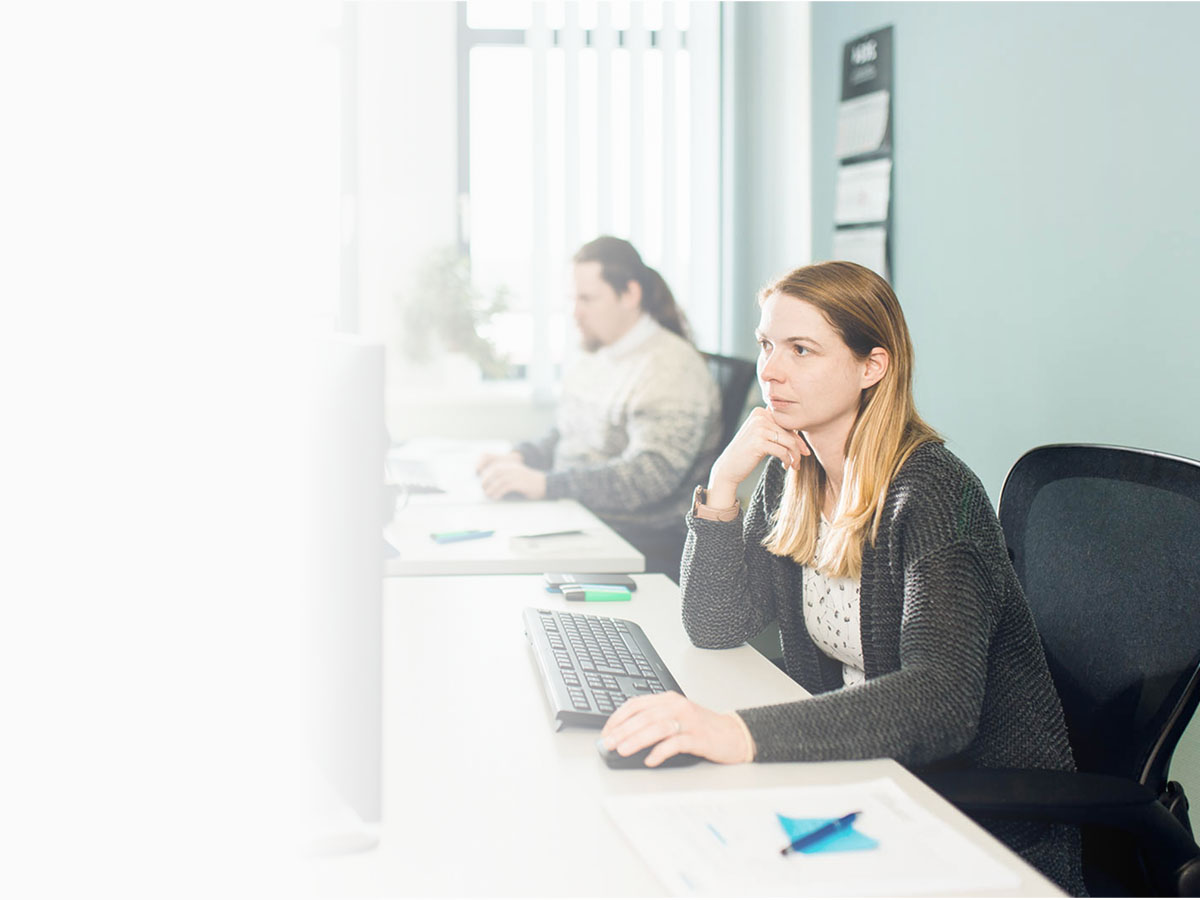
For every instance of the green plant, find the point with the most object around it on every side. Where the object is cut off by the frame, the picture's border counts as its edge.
(444, 311)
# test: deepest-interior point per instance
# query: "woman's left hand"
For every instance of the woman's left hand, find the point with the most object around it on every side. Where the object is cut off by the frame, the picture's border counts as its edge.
(675, 725)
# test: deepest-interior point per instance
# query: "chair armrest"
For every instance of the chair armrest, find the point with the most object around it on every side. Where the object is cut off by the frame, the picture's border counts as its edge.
(1082, 798)
(1078, 797)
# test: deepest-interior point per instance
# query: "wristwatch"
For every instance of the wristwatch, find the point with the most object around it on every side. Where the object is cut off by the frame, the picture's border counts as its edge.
(701, 509)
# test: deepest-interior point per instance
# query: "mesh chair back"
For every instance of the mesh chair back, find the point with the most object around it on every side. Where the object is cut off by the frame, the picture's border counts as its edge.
(733, 377)
(1106, 544)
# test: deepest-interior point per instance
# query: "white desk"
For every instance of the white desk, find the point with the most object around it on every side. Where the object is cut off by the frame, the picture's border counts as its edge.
(464, 507)
(450, 463)
(597, 549)
(483, 798)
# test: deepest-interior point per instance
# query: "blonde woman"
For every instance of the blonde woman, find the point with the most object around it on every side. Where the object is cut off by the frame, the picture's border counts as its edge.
(879, 556)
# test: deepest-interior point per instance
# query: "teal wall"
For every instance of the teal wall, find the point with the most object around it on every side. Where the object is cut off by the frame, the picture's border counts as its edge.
(766, 158)
(1047, 222)
(1046, 216)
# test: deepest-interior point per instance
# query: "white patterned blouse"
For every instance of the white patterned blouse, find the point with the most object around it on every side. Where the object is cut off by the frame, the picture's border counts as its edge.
(831, 615)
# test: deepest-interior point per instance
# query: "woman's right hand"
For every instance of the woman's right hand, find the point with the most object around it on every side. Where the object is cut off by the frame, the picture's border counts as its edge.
(759, 436)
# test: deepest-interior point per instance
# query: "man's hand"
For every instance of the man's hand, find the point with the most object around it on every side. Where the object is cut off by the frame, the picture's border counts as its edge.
(488, 458)
(504, 475)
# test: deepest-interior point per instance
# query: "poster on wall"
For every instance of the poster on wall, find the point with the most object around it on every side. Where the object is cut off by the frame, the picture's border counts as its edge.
(863, 206)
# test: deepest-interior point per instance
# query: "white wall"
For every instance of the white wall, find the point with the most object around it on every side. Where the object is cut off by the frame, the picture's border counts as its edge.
(406, 147)
(169, 179)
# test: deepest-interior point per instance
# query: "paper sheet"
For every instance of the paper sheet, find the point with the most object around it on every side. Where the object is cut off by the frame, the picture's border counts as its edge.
(862, 123)
(865, 246)
(863, 190)
(727, 843)
(449, 464)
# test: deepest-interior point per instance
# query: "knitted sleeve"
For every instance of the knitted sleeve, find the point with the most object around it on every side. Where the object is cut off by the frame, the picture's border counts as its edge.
(929, 708)
(667, 421)
(728, 581)
(539, 454)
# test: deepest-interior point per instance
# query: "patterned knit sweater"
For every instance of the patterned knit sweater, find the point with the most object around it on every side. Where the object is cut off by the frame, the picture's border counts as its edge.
(637, 428)
(955, 670)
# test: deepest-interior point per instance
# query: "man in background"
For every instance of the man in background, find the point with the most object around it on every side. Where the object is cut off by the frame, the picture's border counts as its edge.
(639, 421)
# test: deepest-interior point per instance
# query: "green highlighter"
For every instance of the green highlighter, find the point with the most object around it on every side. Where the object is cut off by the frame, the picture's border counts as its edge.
(596, 593)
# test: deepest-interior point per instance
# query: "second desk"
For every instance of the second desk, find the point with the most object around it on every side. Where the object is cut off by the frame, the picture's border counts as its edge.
(513, 548)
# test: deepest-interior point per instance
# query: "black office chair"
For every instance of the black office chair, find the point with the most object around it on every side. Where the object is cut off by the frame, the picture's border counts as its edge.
(734, 378)
(1106, 544)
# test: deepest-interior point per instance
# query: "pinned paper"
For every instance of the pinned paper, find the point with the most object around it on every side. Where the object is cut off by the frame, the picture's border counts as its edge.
(865, 246)
(862, 124)
(863, 192)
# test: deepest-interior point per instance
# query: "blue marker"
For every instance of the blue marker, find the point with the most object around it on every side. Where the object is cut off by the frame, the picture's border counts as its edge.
(829, 829)
(448, 537)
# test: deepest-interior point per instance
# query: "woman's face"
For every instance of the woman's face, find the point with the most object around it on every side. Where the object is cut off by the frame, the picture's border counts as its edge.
(810, 379)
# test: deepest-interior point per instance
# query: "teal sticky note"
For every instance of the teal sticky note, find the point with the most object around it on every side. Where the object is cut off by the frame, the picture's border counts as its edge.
(846, 839)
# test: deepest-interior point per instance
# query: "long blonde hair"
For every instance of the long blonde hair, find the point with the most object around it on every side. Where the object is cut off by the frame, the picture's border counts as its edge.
(864, 311)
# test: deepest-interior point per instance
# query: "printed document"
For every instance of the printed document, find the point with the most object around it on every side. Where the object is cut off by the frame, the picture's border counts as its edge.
(727, 843)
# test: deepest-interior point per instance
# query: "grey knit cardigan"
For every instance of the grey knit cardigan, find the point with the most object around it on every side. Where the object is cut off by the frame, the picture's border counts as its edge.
(956, 675)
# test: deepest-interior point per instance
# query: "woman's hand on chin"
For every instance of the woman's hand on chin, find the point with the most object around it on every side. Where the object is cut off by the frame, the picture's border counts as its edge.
(760, 436)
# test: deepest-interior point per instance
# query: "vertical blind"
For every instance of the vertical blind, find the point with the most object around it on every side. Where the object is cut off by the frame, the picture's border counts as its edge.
(587, 119)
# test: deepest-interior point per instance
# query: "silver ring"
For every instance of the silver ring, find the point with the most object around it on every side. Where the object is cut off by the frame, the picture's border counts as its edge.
(777, 436)
(676, 728)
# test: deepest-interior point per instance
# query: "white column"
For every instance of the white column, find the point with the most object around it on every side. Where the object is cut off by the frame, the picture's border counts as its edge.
(604, 41)
(572, 41)
(705, 279)
(637, 43)
(540, 370)
(668, 42)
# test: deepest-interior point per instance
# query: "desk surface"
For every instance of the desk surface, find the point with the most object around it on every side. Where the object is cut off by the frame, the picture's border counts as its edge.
(507, 552)
(475, 753)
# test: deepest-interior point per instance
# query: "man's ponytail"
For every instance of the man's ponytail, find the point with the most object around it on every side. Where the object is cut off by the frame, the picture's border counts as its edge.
(620, 263)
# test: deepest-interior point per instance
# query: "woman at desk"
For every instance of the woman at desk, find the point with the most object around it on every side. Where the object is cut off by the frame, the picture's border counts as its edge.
(878, 554)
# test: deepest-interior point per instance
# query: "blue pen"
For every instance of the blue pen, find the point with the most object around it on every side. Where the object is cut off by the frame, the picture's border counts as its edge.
(827, 830)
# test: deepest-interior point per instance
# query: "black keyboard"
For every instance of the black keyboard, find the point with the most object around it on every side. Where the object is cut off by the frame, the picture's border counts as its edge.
(412, 476)
(590, 665)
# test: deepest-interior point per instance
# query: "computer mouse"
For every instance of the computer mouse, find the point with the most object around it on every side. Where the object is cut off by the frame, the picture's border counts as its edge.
(615, 760)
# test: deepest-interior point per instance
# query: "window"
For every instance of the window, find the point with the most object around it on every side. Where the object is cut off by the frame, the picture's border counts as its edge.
(580, 119)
